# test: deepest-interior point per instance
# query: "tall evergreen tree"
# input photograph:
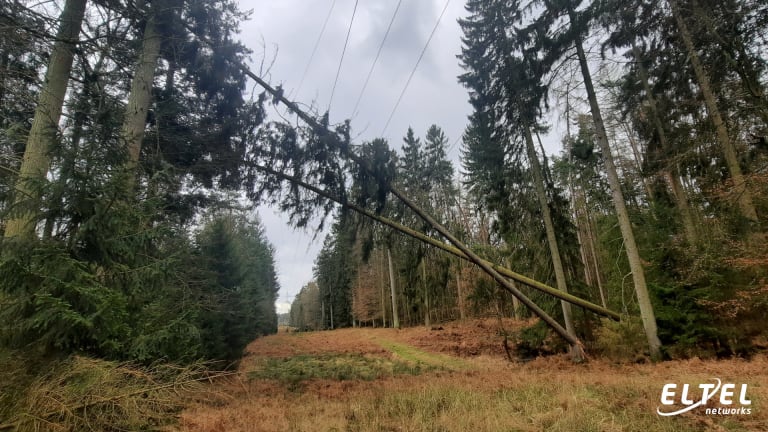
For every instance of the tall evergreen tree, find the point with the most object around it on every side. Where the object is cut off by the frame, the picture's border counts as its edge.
(511, 84)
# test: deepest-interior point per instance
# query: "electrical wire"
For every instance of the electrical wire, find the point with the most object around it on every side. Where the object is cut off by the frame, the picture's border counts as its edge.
(317, 44)
(378, 53)
(341, 60)
(426, 45)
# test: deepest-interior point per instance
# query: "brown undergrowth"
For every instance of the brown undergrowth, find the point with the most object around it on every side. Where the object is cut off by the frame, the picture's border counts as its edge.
(466, 384)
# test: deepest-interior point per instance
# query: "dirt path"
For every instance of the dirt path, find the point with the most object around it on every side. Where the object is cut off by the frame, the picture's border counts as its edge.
(454, 379)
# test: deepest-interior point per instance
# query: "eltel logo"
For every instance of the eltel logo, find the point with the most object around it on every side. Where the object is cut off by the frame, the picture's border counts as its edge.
(727, 393)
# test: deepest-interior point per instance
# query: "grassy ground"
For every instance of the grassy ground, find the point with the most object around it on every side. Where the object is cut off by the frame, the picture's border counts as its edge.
(454, 379)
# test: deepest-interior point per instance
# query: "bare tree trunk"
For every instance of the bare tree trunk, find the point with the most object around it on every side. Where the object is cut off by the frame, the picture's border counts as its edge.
(554, 249)
(36, 161)
(382, 290)
(593, 252)
(460, 291)
(627, 233)
(746, 206)
(141, 94)
(427, 321)
(395, 317)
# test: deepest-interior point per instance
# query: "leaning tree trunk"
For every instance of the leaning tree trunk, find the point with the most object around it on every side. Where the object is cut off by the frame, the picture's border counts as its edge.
(746, 206)
(627, 233)
(34, 166)
(141, 95)
(417, 235)
(549, 226)
(576, 345)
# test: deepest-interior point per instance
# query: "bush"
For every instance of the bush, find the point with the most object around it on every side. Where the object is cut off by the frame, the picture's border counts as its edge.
(538, 340)
(621, 341)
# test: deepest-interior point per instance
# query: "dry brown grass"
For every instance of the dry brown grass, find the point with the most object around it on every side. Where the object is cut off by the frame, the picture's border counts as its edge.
(82, 393)
(493, 394)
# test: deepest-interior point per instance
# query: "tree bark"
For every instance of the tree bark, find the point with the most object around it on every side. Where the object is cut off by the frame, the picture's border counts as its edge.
(746, 206)
(460, 291)
(549, 227)
(380, 276)
(36, 161)
(395, 317)
(140, 97)
(427, 320)
(627, 233)
(593, 251)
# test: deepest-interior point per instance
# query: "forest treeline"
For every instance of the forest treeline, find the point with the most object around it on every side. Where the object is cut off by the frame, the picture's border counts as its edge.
(122, 143)
(655, 207)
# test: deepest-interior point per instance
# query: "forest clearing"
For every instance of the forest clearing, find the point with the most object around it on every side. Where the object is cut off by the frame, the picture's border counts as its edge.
(557, 219)
(459, 380)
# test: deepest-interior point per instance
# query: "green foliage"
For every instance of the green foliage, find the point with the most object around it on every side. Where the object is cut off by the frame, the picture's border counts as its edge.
(176, 301)
(334, 270)
(59, 302)
(536, 340)
(116, 272)
(621, 341)
(338, 367)
(306, 313)
(685, 324)
(241, 286)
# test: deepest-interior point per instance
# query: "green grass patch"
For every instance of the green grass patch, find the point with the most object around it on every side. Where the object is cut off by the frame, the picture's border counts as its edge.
(419, 357)
(338, 367)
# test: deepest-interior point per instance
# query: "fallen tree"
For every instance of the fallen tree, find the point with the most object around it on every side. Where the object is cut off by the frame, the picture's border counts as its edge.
(577, 349)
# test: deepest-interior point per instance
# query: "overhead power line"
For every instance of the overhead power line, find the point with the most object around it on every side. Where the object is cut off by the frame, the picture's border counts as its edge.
(378, 53)
(426, 45)
(346, 41)
(314, 50)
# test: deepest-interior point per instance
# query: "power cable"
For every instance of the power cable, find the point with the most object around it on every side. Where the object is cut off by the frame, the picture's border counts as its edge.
(386, 125)
(378, 53)
(314, 50)
(341, 60)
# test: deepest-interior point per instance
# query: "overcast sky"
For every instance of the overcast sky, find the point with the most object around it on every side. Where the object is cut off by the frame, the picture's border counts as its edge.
(289, 29)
